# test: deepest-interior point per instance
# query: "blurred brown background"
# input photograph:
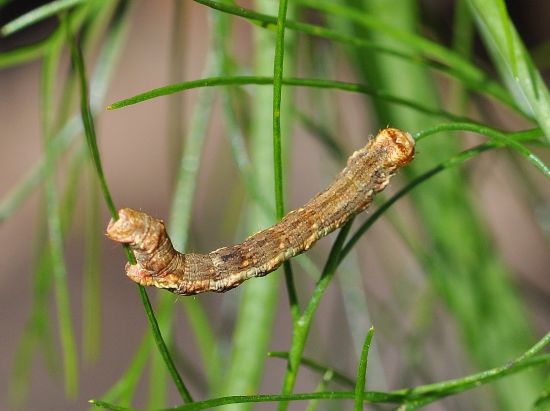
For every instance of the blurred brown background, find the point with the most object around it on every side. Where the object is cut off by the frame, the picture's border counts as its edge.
(135, 136)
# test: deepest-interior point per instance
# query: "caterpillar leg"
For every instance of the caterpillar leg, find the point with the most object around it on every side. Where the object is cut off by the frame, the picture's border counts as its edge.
(139, 275)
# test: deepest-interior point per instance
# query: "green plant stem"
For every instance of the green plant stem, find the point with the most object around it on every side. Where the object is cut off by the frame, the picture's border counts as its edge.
(527, 359)
(302, 326)
(289, 81)
(425, 393)
(500, 137)
(278, 66)
(182, 389)
(277, 92)
(91, 290)
(91, 139)
(87, 121)
(362, 371)
(258, 299)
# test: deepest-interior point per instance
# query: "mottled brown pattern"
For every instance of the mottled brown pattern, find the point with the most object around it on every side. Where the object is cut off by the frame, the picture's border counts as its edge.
(368, 171)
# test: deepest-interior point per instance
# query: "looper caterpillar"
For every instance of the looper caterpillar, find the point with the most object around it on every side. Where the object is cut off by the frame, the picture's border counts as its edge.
(367, 172)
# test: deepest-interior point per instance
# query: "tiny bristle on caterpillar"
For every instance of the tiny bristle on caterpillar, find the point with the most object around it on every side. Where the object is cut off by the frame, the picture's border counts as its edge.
(158, 264)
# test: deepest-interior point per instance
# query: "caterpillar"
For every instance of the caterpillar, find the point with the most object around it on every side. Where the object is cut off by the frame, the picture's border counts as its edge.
(158, 264)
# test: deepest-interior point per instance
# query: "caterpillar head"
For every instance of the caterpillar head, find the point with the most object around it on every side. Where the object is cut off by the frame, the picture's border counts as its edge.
(398, 146)
(141, 231)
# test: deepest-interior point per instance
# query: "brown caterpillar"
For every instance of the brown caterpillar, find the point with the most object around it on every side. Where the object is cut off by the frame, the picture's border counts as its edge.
(368, 171)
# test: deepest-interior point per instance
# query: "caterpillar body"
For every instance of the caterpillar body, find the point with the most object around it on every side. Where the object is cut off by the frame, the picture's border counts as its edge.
(158, 264)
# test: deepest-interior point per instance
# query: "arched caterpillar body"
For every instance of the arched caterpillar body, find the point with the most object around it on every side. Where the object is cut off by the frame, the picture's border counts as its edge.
(367, 172)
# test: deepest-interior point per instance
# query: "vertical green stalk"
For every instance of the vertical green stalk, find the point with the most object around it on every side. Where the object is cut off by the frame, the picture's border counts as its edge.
(362, 371)
(278, 67)
(157, 390)
(91, 300)
(88, 122)
(161, 345)
(303, 325)
(258, 297)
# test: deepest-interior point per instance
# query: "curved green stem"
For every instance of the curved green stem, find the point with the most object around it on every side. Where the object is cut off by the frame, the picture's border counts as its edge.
(91, 139)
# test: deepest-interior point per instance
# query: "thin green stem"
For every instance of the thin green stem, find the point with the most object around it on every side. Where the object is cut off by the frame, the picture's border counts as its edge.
(448, 387)
(420, 394)
(161, 345)
(362, 371)
(303, 325)
(88, 122)
(278, 68)
(287, 81)
(369, 397)
(523, 135)
(91, 290)
(501, 138)
(277, 92)
(91, 139)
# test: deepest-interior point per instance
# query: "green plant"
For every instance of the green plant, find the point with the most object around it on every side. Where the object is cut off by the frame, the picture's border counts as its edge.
(397, 69)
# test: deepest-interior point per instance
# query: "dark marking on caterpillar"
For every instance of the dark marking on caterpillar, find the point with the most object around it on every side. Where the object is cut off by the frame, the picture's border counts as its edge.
(368, 172)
